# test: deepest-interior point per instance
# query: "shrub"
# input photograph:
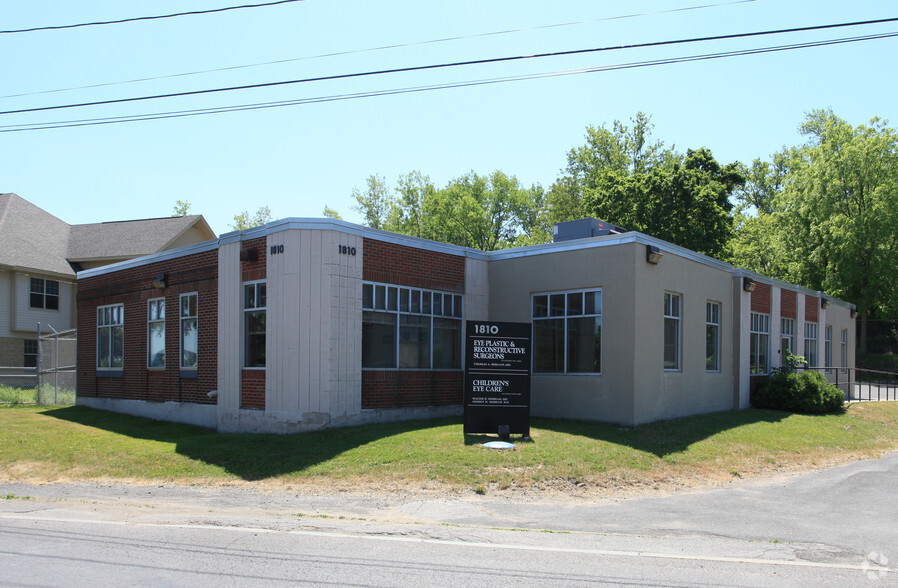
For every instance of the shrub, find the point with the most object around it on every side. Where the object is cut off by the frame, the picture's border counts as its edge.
(806, 392)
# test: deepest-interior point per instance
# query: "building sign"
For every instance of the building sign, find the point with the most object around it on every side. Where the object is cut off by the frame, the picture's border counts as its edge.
(497, 378)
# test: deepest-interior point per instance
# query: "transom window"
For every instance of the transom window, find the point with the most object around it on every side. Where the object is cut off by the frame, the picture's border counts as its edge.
(111, 337)
(44, 294)
(671, 331)
(156, 333)
(759, 344)
(410, 328)
(567, 332)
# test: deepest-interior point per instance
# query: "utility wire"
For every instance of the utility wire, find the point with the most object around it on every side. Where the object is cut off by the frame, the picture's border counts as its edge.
(381, 48)
(446, 65)
(434, 87)
(139, 18)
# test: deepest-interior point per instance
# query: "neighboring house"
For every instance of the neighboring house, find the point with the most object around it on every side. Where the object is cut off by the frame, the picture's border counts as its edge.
(40, 255)
(308, 323)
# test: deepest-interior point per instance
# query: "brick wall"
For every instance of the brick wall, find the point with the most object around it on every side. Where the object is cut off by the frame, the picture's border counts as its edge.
(252, 389)
(133, 287)
(418, 268)
(760, 298)
(788, 304)
(254, 248)
(811, 307)
(411, 389)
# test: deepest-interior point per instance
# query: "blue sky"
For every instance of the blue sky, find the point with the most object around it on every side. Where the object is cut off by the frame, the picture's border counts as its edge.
(298, 159)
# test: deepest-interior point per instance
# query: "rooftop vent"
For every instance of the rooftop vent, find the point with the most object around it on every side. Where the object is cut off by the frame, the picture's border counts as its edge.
(584, 228)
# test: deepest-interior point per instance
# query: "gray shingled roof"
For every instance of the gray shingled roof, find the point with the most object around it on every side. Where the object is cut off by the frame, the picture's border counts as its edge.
(33, 239)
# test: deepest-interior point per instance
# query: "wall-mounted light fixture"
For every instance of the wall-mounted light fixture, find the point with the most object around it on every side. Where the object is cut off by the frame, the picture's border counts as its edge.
(652, 254)
(748, 284)
(854, 313)
(161, 281)
(250, 254)
(824, 303)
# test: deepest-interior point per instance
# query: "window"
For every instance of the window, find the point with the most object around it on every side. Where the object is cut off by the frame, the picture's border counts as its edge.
(828, 348)
(810, 344)
(30, 357)
(189, 334)
(844, 350)
(156, 333)
(567, 332)
(44, 294)
(712, 337)
(254, 300)
(787, 338)
(758, 352)
(671, 331)
(410, 328)
(111, 337)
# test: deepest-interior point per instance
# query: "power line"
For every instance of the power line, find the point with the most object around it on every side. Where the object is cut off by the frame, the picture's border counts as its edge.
(139, 18)
(434, 87)
(381, 48)
(446, 65)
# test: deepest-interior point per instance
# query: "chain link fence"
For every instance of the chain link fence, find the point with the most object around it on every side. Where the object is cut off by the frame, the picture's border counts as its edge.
(57, 367)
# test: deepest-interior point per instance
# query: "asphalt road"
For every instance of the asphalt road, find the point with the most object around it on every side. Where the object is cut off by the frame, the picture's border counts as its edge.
(837, 527)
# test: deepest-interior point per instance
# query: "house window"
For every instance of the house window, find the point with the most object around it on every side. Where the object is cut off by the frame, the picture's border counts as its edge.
(810, 344)
(671, 331)
(30, 357)
(254, 300)
(787, 338)
(189, 334)
(111, 337)
(712, 337)
(156, 333)
(567, 332)
(844, 350)
(410, 328)
(44, 294)
(758, 353)
(828, 348)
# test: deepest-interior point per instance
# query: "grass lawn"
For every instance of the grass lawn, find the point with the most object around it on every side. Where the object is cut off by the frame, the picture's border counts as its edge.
(39, 444)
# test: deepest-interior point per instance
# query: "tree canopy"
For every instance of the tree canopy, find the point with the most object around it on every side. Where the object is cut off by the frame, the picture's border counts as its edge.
(245, 221)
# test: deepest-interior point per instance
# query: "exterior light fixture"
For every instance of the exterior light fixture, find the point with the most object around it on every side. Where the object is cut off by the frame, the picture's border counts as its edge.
(652, 254)
(161, 281)
(854, 313)
(824, 303)
(748, 284)
(249, 254)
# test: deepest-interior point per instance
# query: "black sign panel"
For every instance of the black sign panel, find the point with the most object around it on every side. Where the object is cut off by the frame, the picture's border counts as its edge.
(497, 378)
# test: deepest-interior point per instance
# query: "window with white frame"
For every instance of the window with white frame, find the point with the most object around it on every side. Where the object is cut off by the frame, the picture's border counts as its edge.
(189, 334)
(156, 333)
(254, 301)
(30, 353)
(759, 348)
(567, 332)
(671, 331)
(810, 344)
(712, 337)
(44, 294)
(410, 328)
(844, 350)
(787, 337)
(828, 348)
(111, 337)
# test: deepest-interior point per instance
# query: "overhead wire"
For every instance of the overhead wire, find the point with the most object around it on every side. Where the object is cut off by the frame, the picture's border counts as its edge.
(443, 66)
(433, 87)
(142, 18)
(375, 49)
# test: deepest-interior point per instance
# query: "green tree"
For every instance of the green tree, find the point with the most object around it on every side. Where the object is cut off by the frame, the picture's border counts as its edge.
(329, 212)
(374, 203)
(245, 221)
(181, 208)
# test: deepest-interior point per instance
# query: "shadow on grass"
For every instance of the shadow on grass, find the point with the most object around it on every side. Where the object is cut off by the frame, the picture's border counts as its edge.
(248, 456)
(664, 437)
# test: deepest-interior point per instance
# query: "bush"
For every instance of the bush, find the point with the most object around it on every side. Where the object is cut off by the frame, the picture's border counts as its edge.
(806, 392)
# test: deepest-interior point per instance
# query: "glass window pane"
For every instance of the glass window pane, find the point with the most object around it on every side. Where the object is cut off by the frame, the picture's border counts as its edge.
(414, 341)
(711, 348)
(391, 298)
(446, 343)
(380, 297)
(262, 294)
(575, 304)
(403, 300)
(157, 345)
(556, 305)
(457, 306)
(540, 306)
(104, 345)
(367, 295)
(189, 343)
(416, 301)
(118, 346)
(378, 340)
(548, 345)
(425, 302)
(255, 339)
(249, 296)
(438, 304)
(593, 303)
(584, 338)
(671, 344)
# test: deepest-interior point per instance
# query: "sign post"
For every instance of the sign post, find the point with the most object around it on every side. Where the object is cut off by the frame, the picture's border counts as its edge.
(497, 378)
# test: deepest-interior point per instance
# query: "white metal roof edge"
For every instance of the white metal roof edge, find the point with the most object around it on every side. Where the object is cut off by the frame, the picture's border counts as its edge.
(210, 245)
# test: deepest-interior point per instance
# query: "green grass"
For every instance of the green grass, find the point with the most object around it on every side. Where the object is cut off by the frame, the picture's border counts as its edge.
(77, 443)
(61, 397)
(8, 394)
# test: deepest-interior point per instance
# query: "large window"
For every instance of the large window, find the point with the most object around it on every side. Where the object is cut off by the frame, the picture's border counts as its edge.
(671, 331)
(410, 328)
(189, 333)
(156, 333)
(844, 350)
(111, 337)
(787, 337)
(567, 332)
(30, 357)
(254, 300)
(44, 294)
(828, 347)
(712, 337)
(810, 344)
(759, 353)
